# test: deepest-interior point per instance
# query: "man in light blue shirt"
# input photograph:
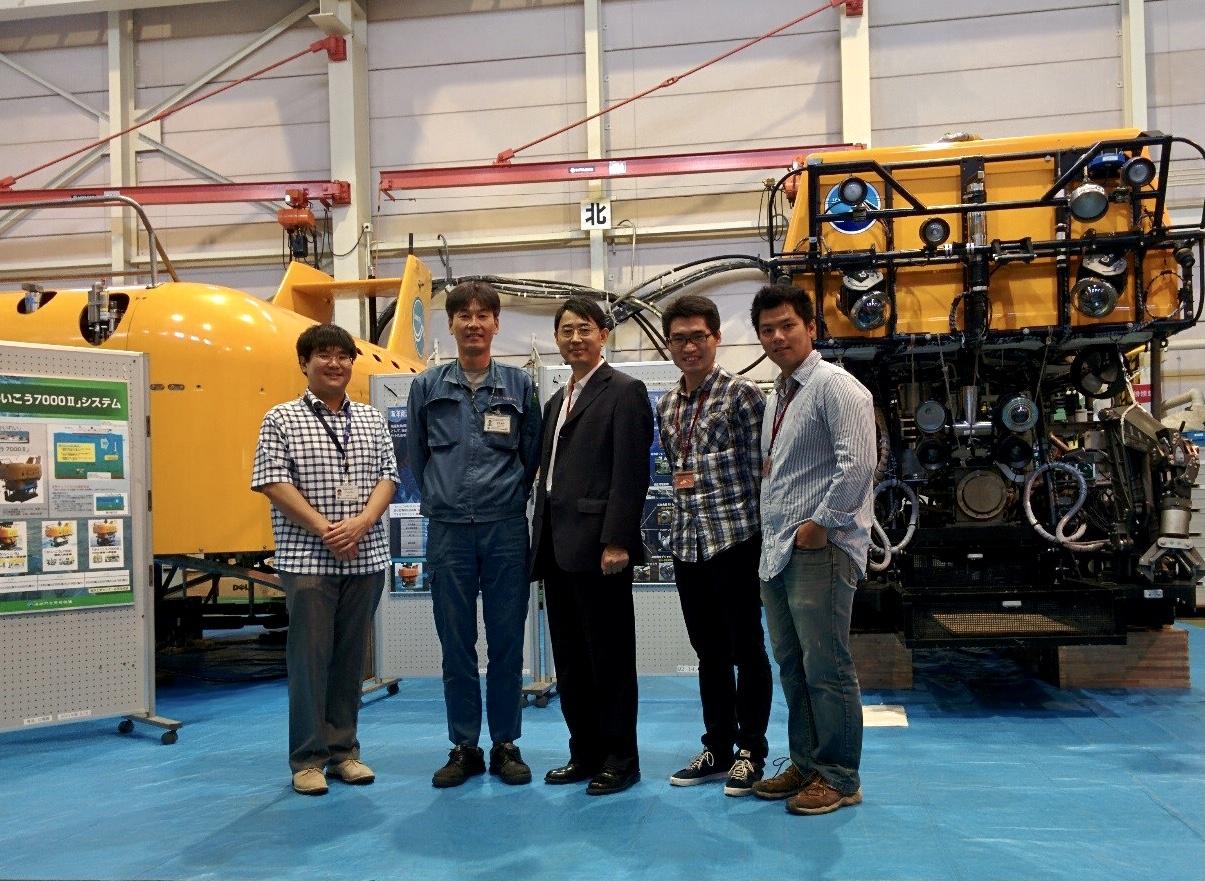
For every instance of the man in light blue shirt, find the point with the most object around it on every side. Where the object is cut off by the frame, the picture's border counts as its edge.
(819, 456)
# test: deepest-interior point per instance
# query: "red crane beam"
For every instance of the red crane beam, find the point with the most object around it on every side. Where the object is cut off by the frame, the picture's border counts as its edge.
(332, 192)
(594, 169)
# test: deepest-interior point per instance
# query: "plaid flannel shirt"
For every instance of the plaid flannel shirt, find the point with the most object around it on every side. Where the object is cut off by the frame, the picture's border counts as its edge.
(294, 448)
(725, 455)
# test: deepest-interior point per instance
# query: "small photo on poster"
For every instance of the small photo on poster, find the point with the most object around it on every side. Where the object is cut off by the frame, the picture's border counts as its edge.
(89, 455)
(110, 503)
(60, 546)
(106, 544)
(411, 576)
(14, 547)
(22, 470)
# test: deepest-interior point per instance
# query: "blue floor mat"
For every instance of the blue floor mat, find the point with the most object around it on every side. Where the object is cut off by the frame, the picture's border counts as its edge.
(998, 775)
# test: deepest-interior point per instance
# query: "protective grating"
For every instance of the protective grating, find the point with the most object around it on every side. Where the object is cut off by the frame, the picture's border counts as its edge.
(985, 618)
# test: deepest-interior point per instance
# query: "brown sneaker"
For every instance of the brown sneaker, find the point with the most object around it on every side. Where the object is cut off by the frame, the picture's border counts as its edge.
(786, 783)
(820, 798)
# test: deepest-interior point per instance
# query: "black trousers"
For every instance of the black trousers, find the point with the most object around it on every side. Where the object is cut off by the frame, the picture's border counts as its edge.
(592, 624)
(721, 604)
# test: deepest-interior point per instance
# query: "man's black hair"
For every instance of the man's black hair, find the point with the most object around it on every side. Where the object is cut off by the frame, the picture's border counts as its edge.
(582, 307)
(691, 306)
(321, 337)
(465, 293)
(774, 295)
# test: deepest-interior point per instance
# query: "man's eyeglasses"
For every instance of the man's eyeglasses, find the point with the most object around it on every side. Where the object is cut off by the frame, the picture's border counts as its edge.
(679, 340)
(584, 331)
(340, 358)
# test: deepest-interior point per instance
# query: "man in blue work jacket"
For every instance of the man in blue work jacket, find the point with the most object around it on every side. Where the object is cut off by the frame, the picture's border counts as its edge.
(474, 446)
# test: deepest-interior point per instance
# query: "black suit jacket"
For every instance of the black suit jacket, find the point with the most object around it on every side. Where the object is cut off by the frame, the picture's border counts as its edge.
(601, 476)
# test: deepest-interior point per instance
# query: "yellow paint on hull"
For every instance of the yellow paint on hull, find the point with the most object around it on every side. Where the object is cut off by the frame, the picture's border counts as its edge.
(218, 360)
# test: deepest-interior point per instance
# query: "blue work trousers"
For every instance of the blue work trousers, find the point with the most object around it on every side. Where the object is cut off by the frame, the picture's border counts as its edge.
(490, 559)
(808, 607)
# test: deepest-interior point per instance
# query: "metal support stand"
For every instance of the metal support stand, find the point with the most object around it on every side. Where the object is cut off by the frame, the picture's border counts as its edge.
(376, 683)
(171, 726)
(542, 687)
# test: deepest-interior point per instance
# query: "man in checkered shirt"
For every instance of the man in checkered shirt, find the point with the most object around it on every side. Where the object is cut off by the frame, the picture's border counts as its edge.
(327, 465)
(711, 431)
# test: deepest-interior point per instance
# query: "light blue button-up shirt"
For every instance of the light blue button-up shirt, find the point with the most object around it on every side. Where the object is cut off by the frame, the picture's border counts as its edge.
(821, 464)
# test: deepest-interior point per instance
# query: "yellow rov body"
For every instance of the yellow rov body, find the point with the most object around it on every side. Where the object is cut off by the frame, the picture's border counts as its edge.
(219, 359)
(1037, 213)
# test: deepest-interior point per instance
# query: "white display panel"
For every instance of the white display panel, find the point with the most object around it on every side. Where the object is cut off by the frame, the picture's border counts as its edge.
(79, 644)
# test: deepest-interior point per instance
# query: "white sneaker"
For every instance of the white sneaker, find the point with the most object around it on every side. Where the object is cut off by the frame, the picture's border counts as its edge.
(351, 771)
(310, 781)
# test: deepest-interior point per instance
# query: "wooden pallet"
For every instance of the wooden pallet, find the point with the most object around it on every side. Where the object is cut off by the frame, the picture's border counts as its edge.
(881, 660)
(1149, 659)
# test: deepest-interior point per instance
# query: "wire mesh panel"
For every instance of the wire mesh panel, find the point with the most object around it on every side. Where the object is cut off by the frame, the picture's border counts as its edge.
(76, 636)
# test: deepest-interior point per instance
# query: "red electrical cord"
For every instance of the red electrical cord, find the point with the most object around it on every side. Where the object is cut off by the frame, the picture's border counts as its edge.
(332, 45)
(506, 155)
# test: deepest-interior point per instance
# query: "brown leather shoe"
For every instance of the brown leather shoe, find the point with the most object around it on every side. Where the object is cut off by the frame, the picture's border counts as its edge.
(784, 784)
(818, 797)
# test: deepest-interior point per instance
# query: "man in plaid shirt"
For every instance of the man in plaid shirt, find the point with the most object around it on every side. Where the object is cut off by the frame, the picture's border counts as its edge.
(711, 431)
(327, 465)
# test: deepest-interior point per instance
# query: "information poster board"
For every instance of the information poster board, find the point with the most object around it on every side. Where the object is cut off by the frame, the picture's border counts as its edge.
(65, 537)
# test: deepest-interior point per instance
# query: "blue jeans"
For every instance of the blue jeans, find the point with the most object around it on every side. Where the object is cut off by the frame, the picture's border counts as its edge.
(490, 559)
(808, 607)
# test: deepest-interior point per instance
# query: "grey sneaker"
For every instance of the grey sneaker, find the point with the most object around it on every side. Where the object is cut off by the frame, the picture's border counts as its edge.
(701, 769)
(507, 763)
(743, 774)
(351, 771)
(310, 781)
(464, 761)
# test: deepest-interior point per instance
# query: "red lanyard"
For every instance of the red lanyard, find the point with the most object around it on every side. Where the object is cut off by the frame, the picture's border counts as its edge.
(688, 441)
(780, 413)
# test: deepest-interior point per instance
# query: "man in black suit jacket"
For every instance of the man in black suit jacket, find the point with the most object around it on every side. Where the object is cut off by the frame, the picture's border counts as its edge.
(594, 475)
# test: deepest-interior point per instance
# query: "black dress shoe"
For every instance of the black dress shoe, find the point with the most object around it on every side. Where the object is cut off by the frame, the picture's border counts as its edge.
(571, 772)
(610, 780)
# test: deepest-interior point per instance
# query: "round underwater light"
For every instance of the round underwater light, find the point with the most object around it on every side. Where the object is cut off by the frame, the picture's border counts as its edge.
(1138, 172)
(864, 299)
(934, 232)
(1094, 297)
(1088, 202)
(852, 191)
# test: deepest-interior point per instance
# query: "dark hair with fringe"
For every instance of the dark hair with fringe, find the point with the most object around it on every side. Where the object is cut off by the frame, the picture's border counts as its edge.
(321, 337)
(465, 293)
(774, 295)
(691, 306)
(582, 307)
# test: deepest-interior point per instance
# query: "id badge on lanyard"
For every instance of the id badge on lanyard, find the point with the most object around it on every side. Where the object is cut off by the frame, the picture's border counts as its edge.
(684, 478)
(347, 491)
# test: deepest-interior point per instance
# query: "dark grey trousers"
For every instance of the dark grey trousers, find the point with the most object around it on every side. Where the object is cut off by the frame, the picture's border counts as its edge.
(329, 621)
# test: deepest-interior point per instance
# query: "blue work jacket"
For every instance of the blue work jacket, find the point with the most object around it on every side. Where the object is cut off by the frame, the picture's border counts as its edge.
(465, 473)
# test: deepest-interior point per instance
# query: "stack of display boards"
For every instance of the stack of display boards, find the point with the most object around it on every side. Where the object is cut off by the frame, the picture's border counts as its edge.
(76, 616)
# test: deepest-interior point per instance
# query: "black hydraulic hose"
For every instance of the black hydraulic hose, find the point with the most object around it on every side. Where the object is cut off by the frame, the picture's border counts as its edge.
(651, 332)
(745, 370)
